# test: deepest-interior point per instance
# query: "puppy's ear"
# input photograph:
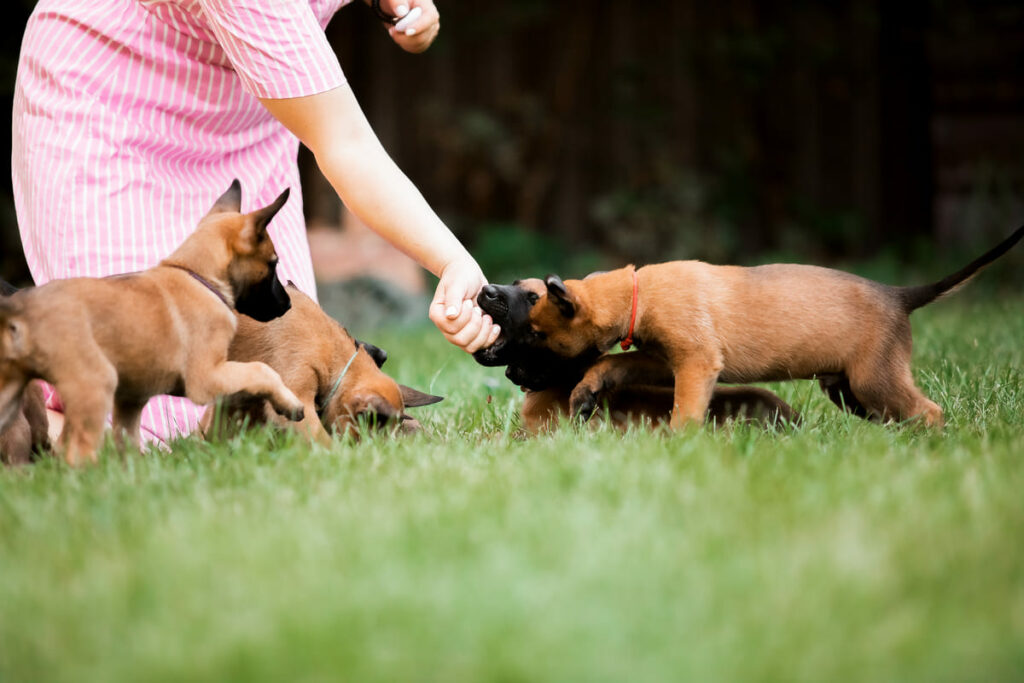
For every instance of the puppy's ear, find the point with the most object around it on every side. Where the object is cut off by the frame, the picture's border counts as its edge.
(413, 398)
(560, 295)
(230, 201)
(379, 355)
(261, 217)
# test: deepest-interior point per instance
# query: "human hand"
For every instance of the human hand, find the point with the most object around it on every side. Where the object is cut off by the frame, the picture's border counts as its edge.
(454, 308)
(417, 26)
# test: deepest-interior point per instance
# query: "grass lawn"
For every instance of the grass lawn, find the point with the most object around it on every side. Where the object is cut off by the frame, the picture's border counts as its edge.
(841, 550)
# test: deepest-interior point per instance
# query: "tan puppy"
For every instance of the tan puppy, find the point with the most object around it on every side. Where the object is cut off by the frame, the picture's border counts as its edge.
(337, 378)
(767, 323)
(636, 387)
(111, 344)
(27, 432)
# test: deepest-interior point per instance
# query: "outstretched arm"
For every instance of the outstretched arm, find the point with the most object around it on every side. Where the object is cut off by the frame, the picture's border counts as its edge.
(332, 125)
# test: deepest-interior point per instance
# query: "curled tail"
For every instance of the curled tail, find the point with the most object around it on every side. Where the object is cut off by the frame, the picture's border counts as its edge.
(916, 297)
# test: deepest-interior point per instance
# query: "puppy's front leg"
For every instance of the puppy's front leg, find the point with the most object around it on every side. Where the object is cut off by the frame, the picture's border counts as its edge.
(231, 377)
(614, 372)
(695, 379)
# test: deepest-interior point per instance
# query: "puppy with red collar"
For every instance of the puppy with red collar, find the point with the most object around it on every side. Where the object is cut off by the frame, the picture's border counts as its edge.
(767, 323)
(636, 388)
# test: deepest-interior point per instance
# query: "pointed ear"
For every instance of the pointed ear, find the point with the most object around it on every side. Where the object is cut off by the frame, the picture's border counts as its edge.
(560, 295)
(413, 398)
(261, 217)
(379, 355)
(230, 201)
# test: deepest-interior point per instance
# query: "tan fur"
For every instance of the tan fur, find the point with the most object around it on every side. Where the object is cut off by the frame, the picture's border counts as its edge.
(309, 349)
(733, 324)
(110, 344)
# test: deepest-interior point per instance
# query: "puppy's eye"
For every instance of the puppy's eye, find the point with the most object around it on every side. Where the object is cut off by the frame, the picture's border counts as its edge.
(532, 298)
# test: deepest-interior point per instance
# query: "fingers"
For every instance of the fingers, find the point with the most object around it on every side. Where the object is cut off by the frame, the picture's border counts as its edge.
(418, 25)
(441, 314)
(471, 329)
(475, 333)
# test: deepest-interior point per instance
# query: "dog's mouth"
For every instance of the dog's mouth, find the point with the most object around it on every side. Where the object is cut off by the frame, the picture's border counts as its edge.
(494, 354)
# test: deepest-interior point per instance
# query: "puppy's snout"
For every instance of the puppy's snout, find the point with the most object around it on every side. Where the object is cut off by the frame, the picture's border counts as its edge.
(488, 293)
(491, 300)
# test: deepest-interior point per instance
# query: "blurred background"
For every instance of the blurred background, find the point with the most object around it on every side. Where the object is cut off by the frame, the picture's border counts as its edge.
(887, 137)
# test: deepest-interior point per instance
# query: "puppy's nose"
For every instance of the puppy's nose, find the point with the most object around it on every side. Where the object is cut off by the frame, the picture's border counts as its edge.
(488, 293)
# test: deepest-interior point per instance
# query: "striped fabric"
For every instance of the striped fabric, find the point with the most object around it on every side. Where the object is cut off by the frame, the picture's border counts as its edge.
(132, 116)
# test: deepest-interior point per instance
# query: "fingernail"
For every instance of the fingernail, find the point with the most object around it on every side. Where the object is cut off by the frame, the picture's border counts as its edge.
(476, 310)
(401, 10)
(410, 31)
(452, 312)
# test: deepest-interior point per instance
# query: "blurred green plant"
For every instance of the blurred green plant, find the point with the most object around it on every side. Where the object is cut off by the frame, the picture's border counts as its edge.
(507, 251)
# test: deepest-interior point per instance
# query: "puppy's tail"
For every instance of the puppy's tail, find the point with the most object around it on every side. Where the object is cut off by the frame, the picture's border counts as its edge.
(916, 297)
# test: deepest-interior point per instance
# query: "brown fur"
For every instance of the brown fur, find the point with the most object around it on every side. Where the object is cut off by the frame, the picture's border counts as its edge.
(27, 432)
(733, 324)
(309, 349)
(111, 344)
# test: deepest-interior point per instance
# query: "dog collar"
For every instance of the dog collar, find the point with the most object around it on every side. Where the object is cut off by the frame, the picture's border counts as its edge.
(628, 341)
(322, 405)
(204, 282)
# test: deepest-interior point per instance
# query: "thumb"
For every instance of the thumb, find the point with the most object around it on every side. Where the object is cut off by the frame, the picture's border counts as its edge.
(450, 296)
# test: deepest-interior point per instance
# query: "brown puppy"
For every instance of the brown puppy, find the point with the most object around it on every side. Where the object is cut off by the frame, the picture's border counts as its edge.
(111, 344)
(733, 324)
(636, 387)
(27, 432)
(337, 378)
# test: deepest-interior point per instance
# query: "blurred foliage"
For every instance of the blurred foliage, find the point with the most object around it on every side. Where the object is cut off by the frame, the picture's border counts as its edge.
(508, 252)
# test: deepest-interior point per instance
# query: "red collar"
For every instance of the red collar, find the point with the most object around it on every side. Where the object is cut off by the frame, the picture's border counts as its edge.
(628, 341)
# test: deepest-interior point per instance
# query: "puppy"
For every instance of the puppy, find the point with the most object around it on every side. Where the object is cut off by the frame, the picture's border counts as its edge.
(110, 344)
(638, 384)
(766, 323)
(336, 377)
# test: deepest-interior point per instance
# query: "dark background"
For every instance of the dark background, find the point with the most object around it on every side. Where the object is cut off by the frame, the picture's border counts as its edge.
(569, 135)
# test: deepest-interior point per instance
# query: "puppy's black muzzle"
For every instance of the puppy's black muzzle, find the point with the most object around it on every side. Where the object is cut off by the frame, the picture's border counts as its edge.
(264, 300)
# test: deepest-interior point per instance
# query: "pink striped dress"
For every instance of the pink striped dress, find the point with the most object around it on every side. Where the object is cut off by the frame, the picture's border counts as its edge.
(132, 116)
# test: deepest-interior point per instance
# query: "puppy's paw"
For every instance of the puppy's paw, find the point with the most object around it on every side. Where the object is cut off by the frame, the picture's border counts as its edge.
(290, 406)
(582, 403)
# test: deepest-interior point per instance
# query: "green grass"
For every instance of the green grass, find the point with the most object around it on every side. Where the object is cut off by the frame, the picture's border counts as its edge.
(838, 551)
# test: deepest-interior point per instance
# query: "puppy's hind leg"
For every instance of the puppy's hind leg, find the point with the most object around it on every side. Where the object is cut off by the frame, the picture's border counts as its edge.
(88, 399)
(891, 394)
(126, 422)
